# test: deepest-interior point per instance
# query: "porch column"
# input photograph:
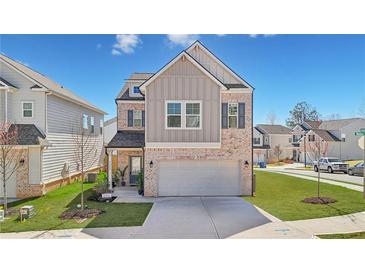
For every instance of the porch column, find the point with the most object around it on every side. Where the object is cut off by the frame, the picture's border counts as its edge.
(110, 175)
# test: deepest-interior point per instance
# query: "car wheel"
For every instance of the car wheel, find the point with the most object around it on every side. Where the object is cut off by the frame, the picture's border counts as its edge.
(315, 169)
(350, 172)
(330, 170)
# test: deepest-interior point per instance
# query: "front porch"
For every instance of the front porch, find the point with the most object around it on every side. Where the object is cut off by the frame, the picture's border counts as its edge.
(129, 194)
(128, 146)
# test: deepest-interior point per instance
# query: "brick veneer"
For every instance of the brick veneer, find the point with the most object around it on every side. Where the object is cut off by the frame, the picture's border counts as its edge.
(236, 144)
(123, 108)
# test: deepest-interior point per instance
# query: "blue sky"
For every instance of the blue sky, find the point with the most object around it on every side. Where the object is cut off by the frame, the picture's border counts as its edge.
(327, 71)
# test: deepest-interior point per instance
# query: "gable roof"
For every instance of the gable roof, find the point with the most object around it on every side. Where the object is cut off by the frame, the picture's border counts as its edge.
(326, 135)
(28, 135)
(173, 61)
(4, 83)
(42, 81)
(140, 75)
(312, 124)
(126, 97)
(273, 129)
(259, 130)
(110, 121)
(127, 139)
(219, 61)
(337, 124)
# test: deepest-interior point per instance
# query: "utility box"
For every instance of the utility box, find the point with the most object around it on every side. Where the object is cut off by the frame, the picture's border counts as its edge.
(91, 177)
(26, 212)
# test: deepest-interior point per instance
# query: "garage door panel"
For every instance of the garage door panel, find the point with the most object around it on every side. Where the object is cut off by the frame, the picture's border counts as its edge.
(199, 178)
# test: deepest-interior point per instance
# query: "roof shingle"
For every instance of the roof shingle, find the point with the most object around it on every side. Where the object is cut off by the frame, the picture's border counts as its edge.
(127, 139)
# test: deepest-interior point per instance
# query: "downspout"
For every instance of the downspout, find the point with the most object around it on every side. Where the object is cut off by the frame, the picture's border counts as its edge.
(6, 106)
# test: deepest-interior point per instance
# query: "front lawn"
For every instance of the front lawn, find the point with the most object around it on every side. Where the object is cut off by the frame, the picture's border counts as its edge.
(357, 235)
(282, 195)
(49, 208)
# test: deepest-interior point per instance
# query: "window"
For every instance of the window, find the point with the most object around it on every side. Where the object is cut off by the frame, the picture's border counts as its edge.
(92, 124)
(101, 126)
(266, 140)
(135, 90)
(84, 121)
(311, 138)
(27, 109)
(192, 115)
(256, 141)
(232, 115)
(137, 118)
(174, 115)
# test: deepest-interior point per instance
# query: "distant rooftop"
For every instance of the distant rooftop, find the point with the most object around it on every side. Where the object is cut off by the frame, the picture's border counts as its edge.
(273, 129)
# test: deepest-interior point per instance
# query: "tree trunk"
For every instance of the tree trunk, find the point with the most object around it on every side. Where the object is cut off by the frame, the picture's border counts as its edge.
(5, 194)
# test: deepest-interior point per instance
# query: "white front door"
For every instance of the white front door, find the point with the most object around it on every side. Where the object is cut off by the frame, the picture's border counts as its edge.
(199, 178)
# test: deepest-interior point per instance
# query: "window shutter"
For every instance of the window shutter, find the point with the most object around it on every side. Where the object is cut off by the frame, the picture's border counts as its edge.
(241, 115)
(224, 115)
(142, 118)
(130, 118)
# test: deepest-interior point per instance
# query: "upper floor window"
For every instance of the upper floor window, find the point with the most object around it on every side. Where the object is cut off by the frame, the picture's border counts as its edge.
(192, 115)
(84, 121)
(174, 115)
(256, 141)
(101, 126)
(137, 118)
(311, 138)
(136, 90)
(183, 114)
(27, 109)
(266, 140)
(92, 124)
(232, 115)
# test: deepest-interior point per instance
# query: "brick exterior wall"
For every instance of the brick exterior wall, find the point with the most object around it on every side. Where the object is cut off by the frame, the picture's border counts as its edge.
(123, 108)
(123, 160)
(236, 144)
(23, 188)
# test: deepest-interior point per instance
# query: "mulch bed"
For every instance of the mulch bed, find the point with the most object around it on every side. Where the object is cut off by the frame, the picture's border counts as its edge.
(78, 214)
(319, 200)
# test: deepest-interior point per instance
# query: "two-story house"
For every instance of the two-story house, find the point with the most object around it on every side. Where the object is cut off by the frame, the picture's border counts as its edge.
(338, 136)
(267, 137)
(188, 127)
(48, 118)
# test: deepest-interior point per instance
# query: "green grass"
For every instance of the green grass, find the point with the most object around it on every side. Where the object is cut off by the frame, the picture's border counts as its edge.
(276, 164)
(357, 235)
(282, 195)
(49, 208)
(353, 162)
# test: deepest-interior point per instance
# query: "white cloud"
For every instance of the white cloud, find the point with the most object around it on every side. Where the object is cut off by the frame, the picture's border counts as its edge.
(264, 35)
(182, 39)
(125, 43)
(116, 52)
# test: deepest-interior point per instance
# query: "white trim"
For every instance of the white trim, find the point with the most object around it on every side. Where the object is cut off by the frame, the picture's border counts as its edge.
(27, 102)
(173, 61)
(183, 145)
(201, 46)
(140, 111)
(183, 114)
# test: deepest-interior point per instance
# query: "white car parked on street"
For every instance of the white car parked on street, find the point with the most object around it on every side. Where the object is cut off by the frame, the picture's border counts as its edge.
(330, 164)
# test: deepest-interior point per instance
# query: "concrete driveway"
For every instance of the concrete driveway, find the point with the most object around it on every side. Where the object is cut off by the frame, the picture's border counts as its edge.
(190, 218)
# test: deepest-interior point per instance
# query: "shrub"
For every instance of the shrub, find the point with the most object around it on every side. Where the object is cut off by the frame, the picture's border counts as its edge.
(101, 185)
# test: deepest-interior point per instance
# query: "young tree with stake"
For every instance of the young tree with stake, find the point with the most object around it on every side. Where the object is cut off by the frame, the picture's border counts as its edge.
(85, 149)
(10, 157)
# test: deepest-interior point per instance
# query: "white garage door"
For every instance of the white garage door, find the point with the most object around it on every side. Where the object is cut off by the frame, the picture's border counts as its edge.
(199, 178)
(10, 187)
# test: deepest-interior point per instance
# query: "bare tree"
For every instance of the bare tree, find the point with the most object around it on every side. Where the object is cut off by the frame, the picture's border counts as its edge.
(333, 116)
(277, 152)
(10, 156)
(271, 118)
(85, 150)
(317, 148)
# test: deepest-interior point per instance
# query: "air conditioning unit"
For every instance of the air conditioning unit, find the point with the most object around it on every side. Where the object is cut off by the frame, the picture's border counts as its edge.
(26, 212)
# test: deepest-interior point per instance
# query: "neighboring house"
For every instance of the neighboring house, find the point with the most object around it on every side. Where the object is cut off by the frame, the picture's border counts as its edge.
(110, 128)
(47, 117)
(339, 136)
(188, 127)
(267, 137)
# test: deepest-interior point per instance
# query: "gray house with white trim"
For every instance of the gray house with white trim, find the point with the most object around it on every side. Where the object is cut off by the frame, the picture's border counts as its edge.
(46, 116)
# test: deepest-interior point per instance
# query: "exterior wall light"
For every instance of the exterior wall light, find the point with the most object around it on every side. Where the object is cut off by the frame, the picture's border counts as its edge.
(21, 162)
(246, 164)
(151, 164)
